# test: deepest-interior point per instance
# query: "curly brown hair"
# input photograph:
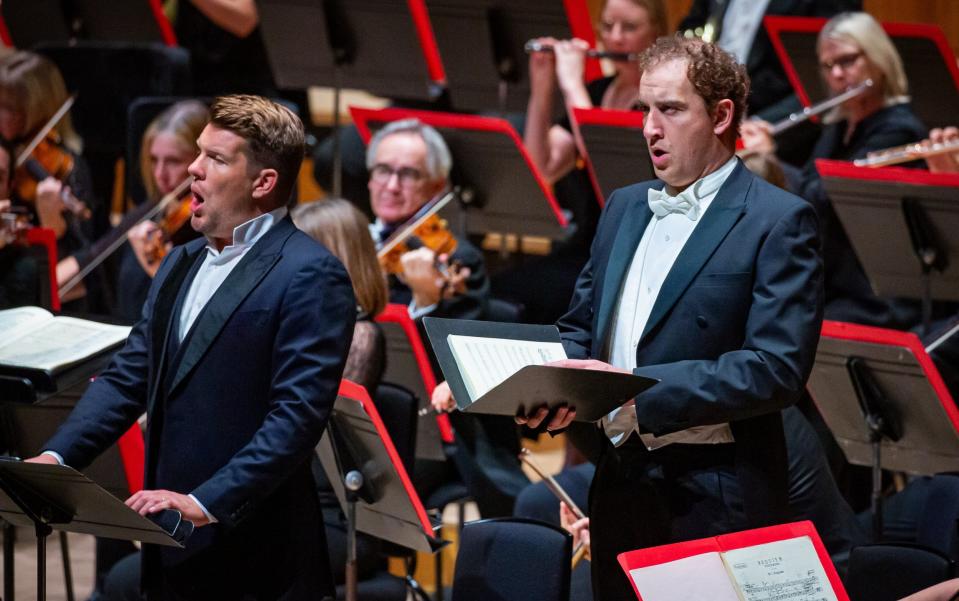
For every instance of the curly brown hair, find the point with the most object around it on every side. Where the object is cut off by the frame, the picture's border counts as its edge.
(273, 133)
(713, 72)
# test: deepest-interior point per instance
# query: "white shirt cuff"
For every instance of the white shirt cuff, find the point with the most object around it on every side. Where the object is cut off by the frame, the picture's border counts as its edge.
(56, 456)
(208, 515)
(417, 312)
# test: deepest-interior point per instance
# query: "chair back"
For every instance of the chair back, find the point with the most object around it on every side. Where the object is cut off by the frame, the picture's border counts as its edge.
(512, 559)
(44, 240)
(888, 572)
(397, 407)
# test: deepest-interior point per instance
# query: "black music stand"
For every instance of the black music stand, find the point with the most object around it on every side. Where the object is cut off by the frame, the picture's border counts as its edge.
(925, 52)
(885, 403)
(593, 393)
(500, 188)
(57, 497)
(901, 223)
(370, 481)
(616, 151)
(384, 47)
(36, 21)
(482, 44)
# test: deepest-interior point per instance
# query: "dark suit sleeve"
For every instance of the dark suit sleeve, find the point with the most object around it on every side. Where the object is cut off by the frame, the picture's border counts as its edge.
(770, 368)
(316, 320)
(116, 398)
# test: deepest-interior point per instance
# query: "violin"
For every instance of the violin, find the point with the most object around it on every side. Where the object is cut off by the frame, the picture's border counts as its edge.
(170, 225)
(424, 228)
(46, 156)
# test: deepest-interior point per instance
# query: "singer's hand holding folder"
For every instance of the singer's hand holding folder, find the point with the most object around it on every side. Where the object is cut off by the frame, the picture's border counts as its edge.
(497, 368)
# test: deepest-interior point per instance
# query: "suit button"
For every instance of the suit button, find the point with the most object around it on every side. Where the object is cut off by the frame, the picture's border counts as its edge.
(701, 321)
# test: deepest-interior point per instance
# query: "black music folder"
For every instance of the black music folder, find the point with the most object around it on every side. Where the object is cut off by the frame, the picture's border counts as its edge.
(593, 393)
(903, 387)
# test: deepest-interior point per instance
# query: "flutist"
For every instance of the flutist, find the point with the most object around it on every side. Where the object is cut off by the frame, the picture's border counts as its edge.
(852, 48)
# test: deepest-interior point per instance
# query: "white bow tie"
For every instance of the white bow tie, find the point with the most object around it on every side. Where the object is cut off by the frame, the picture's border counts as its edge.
(662, 204)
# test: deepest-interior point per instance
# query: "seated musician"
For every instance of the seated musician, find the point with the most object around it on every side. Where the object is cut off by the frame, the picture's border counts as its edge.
(946, 162)
(852, 47)
(31, 92)
(409, 165)
(168, 148)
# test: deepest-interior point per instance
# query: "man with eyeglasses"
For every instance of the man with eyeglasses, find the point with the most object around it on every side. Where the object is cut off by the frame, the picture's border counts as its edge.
(409, 165)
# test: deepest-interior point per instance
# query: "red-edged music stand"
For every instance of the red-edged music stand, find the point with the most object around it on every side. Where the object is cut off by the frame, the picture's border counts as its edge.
(482, 43)
(901, 223)
(408, 364)
(885, 403)
(926, 57)
(501, 190)
(25, 24)
(386, 48)
(393, 510)
(655, 556)
(616, 151)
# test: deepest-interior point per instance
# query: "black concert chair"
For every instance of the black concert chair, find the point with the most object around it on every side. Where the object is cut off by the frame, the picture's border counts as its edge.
(498, 556)
(887, 572)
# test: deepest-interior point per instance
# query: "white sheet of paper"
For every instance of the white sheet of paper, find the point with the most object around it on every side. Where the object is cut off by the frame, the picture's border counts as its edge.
(785, 570)
(60, 341)
(696, 578)
(14, 323)
(486, 362)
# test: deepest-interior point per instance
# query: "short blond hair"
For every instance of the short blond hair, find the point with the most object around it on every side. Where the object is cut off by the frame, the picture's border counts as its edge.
(344, 230)
(274, 134)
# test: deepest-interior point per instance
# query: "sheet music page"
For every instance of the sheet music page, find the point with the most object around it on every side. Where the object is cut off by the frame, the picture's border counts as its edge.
(14, 323)
(786, 570)
(486, 362)
(59, 342)
(695, 578)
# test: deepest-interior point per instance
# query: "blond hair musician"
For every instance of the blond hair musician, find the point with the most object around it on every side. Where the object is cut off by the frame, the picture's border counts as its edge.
(237, 362)
(852, 47)
(627, 27)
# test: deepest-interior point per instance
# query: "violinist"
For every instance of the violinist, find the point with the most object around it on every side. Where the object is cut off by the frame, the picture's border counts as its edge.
(31, 92)
(167, 149)
(409, 164)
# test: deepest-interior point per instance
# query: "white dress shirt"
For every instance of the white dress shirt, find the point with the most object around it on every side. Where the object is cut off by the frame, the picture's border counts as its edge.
(658, 249)
(741, 21)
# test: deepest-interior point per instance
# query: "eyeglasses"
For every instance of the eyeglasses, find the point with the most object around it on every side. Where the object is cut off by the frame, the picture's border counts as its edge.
(407, 176)
(845, 61)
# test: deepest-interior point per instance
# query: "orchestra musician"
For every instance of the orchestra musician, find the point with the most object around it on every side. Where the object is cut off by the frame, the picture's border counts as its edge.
(237, 362)
(736, 262)
(19, 272)
(31, 92)
(409, 164)
(852, 47)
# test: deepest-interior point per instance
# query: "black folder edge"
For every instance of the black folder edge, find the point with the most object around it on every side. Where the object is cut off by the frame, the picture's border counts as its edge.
(438, 330)
(12, 470)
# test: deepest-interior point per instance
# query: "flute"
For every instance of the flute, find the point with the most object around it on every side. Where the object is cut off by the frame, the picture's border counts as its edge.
(811, 111)
(906, 153)
(534, 46)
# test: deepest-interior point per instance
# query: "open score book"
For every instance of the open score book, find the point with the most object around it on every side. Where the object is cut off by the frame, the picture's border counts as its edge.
(487, 362)
(34, 339)
(778, 563)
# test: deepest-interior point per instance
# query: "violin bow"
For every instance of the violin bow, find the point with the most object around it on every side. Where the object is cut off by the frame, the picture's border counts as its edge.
(119, 232)
(50, 124)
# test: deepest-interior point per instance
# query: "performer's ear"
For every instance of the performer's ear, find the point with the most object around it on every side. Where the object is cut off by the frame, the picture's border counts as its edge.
(723, 115)
(265, 183)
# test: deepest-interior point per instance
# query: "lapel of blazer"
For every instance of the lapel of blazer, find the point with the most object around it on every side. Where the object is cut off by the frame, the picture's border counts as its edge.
(723, 213)
(635, 219)
(224, 302)
(162, 318)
